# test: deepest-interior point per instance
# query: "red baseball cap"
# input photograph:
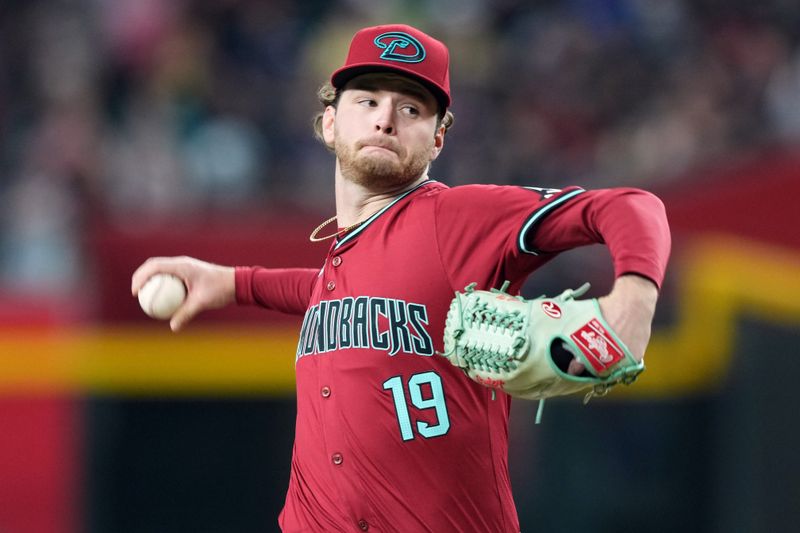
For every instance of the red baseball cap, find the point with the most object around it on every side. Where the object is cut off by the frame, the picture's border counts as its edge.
(403, 49)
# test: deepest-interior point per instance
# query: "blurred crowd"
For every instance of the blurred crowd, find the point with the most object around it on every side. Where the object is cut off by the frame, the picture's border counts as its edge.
(124, 111)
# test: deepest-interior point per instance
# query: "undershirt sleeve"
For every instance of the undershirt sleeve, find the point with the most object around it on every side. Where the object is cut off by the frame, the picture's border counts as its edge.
(287, 290)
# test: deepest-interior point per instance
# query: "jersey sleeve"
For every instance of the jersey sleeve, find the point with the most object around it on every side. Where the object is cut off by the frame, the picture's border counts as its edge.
(510, 231)
(481, 230)
(632, 223)
(287, 290)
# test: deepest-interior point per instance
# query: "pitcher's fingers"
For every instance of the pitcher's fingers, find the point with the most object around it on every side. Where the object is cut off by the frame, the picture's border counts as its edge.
(145, 271)
(575, 368)
(185, 314)
(154, 265)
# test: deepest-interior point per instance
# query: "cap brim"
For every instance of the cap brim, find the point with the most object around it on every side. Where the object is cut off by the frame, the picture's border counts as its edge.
(340, 78)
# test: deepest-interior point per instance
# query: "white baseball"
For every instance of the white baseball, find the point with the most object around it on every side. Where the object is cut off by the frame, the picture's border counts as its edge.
(162, 295)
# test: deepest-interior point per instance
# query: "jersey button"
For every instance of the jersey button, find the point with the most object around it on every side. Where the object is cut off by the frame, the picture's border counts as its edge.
(331, 285)
(336, 261)
(337, 459)
(363, 525)
(326, 391)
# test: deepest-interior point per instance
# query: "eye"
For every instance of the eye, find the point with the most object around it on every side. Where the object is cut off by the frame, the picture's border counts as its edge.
(367, 102)
(410, 110)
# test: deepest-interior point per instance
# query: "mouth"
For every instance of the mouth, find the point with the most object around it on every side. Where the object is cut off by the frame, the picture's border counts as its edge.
(380, 146)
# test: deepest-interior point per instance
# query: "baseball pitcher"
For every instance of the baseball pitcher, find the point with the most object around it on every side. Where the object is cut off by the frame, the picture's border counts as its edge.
(409, 351)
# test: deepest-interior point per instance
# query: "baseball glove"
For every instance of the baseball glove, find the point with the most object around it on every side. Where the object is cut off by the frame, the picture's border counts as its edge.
(524, 347)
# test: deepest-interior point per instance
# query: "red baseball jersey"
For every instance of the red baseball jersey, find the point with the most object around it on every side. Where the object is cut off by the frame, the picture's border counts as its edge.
(390, 436)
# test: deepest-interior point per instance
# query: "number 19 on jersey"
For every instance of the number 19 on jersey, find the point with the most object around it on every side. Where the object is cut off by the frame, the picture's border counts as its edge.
(435, 401)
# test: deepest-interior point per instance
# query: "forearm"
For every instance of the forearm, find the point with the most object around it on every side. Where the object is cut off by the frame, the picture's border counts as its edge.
(287, 290)
(638, 292)
(629, 308)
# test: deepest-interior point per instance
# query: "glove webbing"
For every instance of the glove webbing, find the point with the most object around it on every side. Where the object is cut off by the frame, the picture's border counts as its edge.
(510, 329)
(480, 316)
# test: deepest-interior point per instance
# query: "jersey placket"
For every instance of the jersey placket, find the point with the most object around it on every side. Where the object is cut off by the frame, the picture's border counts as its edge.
(340, 455)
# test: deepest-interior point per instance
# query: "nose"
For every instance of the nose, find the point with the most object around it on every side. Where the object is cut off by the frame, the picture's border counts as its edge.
(384, 119)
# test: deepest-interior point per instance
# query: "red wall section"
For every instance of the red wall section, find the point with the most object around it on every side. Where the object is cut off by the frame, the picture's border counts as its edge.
(39, 449)
(757, 197)
(277, 240)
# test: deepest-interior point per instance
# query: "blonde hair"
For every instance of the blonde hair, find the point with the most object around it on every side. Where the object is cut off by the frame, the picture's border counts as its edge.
(328, 95)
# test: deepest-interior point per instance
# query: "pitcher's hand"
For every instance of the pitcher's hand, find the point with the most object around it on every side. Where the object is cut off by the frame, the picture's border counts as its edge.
(208, 286)
(629, 310)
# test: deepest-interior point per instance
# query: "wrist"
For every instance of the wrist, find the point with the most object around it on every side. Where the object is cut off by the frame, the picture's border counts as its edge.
(636, 290)
(228, 276)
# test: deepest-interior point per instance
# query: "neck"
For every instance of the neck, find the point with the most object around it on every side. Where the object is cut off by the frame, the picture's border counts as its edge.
(356, 203)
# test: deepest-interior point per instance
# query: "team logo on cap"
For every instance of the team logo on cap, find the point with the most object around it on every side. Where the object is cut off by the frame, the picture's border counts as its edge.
(399, 46)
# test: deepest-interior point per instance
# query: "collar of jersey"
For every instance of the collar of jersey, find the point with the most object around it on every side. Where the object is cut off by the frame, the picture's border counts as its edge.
(371, 219)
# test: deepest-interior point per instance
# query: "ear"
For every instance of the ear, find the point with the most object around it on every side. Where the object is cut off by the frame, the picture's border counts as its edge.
(329, 125)
(438, 142)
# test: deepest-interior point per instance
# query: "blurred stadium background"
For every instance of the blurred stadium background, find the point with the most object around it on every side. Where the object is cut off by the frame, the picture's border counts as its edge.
(132, 128)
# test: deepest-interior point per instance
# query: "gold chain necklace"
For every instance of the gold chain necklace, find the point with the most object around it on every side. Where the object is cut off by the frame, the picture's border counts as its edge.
(313, 237)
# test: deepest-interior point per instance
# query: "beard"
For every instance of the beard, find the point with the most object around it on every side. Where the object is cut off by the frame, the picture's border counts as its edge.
(377, 171)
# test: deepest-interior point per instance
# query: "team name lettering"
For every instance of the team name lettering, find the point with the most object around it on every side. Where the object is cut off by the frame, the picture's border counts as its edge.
(385, 324)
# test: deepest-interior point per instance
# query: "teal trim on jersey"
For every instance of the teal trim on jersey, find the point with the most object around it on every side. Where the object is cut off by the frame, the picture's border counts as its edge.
(369, 221)
(537, 217)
